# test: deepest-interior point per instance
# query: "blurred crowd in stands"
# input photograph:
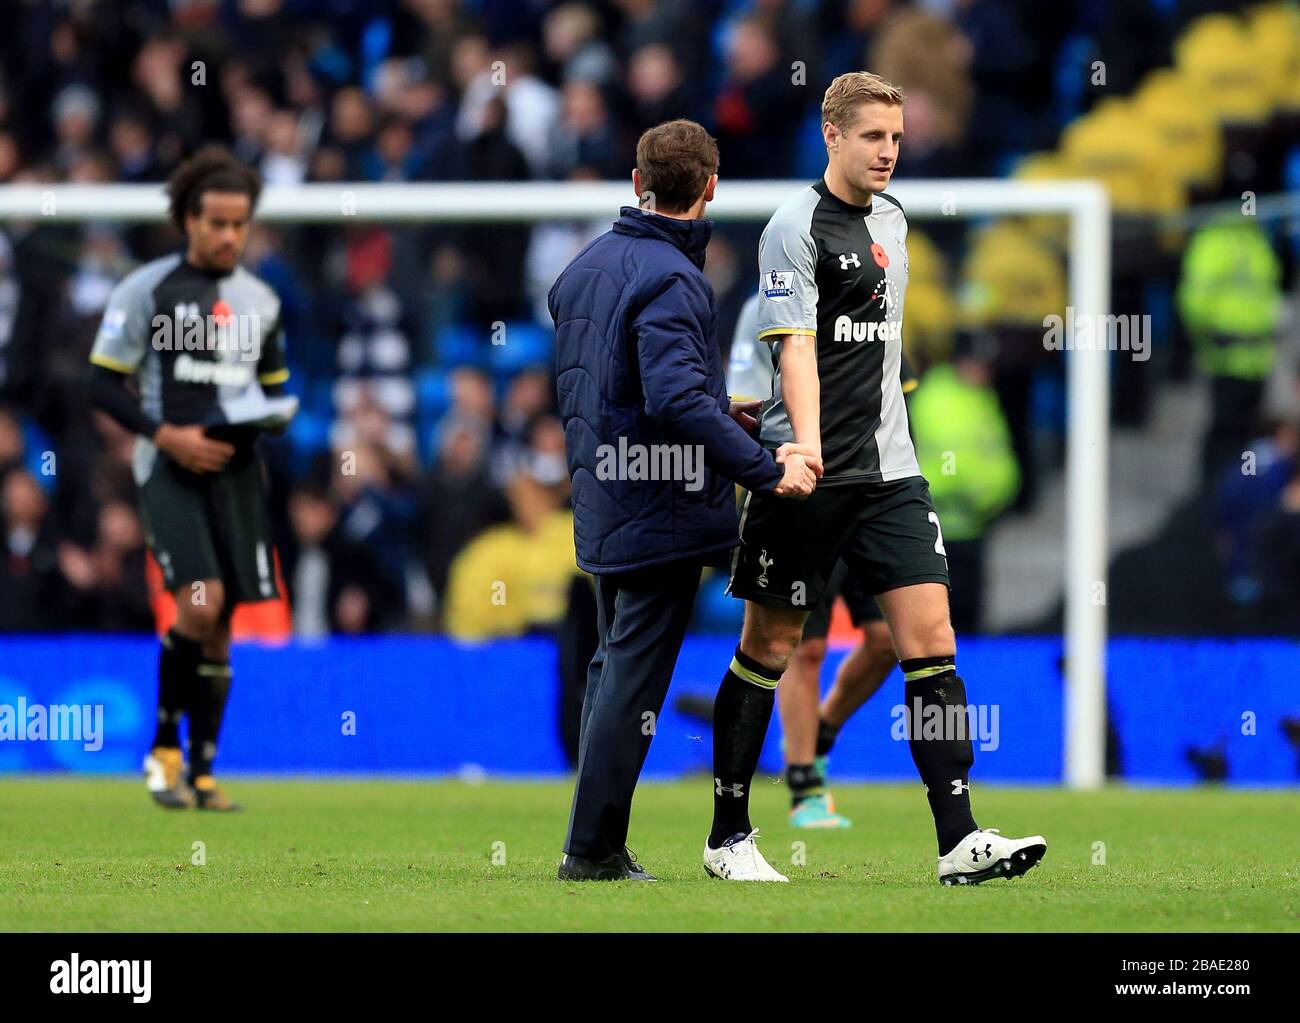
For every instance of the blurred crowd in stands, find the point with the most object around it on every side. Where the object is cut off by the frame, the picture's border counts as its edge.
(427, 465)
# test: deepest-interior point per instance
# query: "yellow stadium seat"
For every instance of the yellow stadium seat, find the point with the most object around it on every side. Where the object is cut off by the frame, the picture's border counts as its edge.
(1049, 228)
(1190, 139)
(930, 324)
(1275, 31)
(1217, 53)
(1117, 146)
(926, 264)
(1011, 277)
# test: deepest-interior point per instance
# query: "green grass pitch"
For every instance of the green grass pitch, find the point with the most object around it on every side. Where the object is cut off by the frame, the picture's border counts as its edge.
(96, 855)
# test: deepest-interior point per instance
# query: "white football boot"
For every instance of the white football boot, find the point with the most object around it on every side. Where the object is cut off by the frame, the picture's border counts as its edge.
(739, 860)
(985, 853)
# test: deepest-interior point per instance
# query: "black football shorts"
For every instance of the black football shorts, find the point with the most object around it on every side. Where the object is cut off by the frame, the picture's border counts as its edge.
(862, 605)
(887, 534)
(211, 526)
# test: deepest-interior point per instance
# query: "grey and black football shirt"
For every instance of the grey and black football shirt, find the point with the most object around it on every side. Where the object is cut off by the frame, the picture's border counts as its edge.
(201, 344)
(750, 369)
(836, 274)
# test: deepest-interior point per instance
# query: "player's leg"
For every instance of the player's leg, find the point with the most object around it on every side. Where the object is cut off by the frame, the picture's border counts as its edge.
(742, 711)
(780, 569)
(862, 672)
(798, 698)
(647, 613)
(241, 529)
(900, 543)
(208, 713)
(857, 679)
(172, 511)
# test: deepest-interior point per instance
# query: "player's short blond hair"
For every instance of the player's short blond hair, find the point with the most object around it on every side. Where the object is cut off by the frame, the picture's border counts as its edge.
(849, 91)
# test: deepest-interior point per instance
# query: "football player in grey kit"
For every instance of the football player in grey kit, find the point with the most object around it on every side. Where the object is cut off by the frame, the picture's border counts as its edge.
(809, 724)
(832, 282)
(201, 337)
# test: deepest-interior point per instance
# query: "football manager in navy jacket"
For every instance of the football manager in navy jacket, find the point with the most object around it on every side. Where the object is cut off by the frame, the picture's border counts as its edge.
(654, 448)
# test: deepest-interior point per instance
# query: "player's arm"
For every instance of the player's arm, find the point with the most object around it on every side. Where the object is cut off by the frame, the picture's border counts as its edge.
(787, 319)
(272, 367)
(116, 355)
(673, 358)
(801, 389)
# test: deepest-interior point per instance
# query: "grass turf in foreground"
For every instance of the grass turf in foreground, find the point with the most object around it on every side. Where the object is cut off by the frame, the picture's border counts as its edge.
(95, 855)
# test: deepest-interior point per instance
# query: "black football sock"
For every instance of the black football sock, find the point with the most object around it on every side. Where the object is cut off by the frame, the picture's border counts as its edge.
(826, 736)
(178, 662)
(206, 713)
(741, 713)
(804, 781)
(939, 739)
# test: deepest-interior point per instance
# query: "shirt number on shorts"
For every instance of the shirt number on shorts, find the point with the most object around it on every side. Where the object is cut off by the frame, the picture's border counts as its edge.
(938, 543)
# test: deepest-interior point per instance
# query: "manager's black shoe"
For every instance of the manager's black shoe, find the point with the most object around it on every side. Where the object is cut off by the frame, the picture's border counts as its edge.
(578, 868)
(635, 871)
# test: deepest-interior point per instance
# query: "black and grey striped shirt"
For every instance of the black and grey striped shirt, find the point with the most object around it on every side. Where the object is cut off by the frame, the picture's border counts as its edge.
(206, 347)
(838, 273)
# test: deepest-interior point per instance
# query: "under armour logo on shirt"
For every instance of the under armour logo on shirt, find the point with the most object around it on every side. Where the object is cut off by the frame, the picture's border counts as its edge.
(850, 260)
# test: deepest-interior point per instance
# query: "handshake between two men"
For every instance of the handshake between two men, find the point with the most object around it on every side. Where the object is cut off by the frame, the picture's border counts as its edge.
(802, 462)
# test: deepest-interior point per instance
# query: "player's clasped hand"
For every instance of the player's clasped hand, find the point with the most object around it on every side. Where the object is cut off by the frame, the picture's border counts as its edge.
(745, 414)
(193, 449)
(803, 468)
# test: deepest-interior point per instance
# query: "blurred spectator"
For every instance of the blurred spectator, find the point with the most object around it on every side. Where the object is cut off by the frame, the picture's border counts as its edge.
(555, 243)
(335, 584)
(12, 445)
(31, 586)
(756, 112)
(1230, 298)
(844, 42)
(285, 159)
(18, 339)
(174, 112)
(492, 256)
(1276, 557)
(76, 116)
(963, 447)
(515, 578)
(656, 87)
(528, 107)
(106, 584)
(585, 137)
(1248, 491)
(457, 500)
(928, 58)
(374, 348)
(350, 126)
(571, 36)
(671, 22)
(519, 425)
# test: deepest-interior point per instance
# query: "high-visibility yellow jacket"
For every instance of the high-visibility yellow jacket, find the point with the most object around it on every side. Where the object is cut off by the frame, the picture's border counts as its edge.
(964, 449)
(1230, 298)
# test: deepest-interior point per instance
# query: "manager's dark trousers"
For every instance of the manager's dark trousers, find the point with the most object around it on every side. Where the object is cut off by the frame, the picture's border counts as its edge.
(642, 618)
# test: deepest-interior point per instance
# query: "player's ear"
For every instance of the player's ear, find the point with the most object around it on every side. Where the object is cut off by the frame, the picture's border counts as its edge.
(830, 135)
(708, 189)
(636, 184)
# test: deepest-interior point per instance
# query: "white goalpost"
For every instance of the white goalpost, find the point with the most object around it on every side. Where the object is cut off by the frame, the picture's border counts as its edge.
(1084, 203)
